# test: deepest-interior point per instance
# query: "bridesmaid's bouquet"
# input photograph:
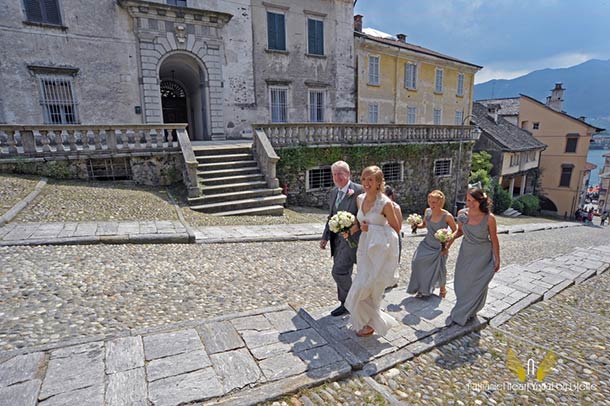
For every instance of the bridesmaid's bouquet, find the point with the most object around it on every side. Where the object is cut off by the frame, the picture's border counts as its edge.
(341, 223)
(443, 235)
(414, 220)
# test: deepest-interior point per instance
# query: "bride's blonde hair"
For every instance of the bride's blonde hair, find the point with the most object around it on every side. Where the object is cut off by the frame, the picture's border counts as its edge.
(377, 174)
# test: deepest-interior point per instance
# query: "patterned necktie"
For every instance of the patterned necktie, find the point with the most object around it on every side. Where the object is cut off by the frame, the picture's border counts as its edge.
(339, 198)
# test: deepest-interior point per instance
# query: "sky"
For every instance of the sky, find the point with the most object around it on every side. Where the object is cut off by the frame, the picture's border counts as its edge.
(509, 38)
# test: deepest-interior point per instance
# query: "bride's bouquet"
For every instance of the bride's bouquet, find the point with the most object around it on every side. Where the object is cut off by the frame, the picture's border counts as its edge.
(443, 235)
(341, 223)
(414, 220)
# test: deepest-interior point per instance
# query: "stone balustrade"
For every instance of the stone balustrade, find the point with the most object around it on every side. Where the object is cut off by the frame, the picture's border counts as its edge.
(266, 158)
(62, 141)
(326, 134)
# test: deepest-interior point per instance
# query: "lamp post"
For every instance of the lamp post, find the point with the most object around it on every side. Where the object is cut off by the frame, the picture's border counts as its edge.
(459, 162)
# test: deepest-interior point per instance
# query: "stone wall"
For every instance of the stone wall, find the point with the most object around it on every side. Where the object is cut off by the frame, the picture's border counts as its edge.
(158, 170)
(418, 171)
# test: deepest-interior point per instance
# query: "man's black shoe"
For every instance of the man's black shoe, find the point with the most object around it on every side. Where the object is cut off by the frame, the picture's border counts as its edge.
(339, 311)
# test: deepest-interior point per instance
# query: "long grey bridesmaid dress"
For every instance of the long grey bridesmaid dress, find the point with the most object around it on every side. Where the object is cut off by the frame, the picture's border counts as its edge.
(428, 266)
(474, 269)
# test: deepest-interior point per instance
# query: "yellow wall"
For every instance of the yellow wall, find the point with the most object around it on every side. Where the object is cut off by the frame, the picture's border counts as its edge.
(392, 96)
(552, 131)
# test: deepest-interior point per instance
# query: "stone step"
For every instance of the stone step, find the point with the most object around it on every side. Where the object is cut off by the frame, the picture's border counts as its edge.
(236, 205)
(227, 180)
(256, 211)
(510, 212)
(232, 187)
(228, 172)
(203, 159)
(231, 196)
(222, 150)
(211, 166)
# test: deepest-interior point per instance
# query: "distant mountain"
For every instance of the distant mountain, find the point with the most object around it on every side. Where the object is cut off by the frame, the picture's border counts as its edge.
(587, 89)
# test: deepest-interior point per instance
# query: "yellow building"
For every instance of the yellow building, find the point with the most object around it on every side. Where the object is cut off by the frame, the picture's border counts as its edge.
(402, 83)
(563, 164)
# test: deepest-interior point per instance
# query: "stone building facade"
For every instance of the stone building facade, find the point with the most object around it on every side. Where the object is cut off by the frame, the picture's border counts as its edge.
(204, 62)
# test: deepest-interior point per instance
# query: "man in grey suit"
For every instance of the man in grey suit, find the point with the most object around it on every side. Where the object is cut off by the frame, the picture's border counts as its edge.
(342, 198)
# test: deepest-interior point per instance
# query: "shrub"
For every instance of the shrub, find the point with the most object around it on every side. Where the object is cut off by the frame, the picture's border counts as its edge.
(518, 205)
(531, 205)
(501, 198)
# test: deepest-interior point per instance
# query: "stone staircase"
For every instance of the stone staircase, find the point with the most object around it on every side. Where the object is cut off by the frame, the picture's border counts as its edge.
(231, 183)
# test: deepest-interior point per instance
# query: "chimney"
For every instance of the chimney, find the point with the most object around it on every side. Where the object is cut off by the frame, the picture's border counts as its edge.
(582, 118)
(493, 109)
(555, 101)
(358, 22)
(401, 37)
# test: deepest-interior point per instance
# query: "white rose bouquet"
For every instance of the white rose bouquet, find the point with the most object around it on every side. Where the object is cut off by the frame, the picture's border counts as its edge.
(414, 220)
(341, 223)
(443, 235)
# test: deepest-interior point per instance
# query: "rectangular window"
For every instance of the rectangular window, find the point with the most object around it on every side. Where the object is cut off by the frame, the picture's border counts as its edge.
(315, 36)
(411, 115)
(373, 113)
(442, 167)
(515, 159)
(459, 117)
(438, 82)
(373, 70)
(571, 144)
(279, 104)
(319, 178)
(181, 3)
(437, 117)
(43, 11)
(410, 76)
(536, 126)
(276, 31)
(392, 171)
(566, 176)
(57, 99)
(316, 106)
(460, 84)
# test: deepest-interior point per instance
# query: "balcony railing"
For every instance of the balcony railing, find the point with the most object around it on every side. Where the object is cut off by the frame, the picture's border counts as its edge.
(63, 141)
(329, 134)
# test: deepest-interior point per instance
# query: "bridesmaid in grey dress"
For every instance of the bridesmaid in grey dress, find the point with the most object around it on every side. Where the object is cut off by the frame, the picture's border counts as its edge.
(429, 263)
(479, 256)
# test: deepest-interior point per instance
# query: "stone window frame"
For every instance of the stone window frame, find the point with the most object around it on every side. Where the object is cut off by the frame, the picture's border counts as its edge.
(442, 167)
(309, 51)
(459, 117)
(411, 75)
(460, 85)
(324, 178)
(47, 78)
(388, 174)
(319, 91)
(280, 10)
(412, 109)
(439, 75)
(571, 143)
(374, 73)
(44, 8)
(286, 114)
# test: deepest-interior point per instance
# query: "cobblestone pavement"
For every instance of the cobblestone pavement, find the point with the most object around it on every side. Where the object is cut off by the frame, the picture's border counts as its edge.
(58, 292)
(472, 370)
(13, 189)
(97, 201)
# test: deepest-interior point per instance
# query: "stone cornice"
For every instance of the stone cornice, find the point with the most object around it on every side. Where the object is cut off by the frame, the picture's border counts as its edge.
(142, 8)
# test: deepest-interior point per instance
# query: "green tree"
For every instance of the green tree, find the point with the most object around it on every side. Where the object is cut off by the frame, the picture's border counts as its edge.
(480, 169)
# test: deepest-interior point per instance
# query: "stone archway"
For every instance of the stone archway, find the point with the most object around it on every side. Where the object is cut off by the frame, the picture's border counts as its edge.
(184, 96)
(168, 35)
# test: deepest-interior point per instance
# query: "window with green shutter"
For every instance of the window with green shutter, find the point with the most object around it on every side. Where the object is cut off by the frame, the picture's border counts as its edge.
(315, 34)
(43, 11)
(276, 31)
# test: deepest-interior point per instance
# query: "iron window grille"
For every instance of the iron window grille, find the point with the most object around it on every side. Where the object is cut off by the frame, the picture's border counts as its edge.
(279, 104)
(319, 178)
(58, 101)
(442, 167)
(316, 106)
(392, 171)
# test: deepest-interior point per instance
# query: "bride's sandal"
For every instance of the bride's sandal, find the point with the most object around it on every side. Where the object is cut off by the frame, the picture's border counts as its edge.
(365, 331)
(443, 292)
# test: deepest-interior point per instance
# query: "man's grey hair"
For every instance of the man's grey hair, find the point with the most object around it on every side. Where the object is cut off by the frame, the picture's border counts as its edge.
(340, 165)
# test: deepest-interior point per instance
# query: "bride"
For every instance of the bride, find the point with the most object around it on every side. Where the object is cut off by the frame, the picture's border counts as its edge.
(377, 256)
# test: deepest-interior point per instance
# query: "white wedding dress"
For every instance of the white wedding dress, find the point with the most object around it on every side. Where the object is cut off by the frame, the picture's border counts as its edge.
(377, 260)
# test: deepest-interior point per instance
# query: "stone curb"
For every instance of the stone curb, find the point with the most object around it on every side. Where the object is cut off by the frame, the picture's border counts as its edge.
(16, 209)
(173, 238)
(189, 229)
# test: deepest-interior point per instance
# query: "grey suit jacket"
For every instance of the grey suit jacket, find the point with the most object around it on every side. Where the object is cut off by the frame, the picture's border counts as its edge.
(347, 204)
